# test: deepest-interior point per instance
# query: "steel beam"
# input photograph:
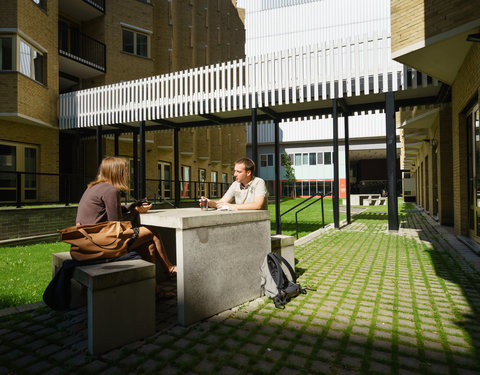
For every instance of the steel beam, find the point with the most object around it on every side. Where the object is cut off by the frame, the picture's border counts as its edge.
(391, 161)
(254, 138)
(99, 145)
(347, 170)
(278, 223)
(336, 189)
(141, 176)
(176, 166)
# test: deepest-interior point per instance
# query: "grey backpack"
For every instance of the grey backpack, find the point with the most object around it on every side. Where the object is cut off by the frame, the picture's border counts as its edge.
(275, 282)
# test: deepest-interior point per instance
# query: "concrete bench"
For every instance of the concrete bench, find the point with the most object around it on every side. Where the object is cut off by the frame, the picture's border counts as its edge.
(120, 297)
(284, 245)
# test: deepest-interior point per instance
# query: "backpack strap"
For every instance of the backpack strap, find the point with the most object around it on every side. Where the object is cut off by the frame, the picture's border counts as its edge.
(278, 259)
(277, 264)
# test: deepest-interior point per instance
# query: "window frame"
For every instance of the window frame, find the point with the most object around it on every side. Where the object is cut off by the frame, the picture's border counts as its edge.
(136, 33)
(42, 4)
(329, 153)
(20, 166)
(12, 52)
(31, 61)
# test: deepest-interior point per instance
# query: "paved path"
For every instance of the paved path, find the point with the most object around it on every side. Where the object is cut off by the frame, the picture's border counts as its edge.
(385, 303)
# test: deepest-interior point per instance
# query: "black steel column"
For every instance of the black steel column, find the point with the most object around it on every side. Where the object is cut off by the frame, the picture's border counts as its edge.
(278, 223)
(176, 166)
(255, 138)
(141, 176)
(135, 165)
(391, 161)
(99, 146)
(116, 150)
(335, 200)
(347, 169)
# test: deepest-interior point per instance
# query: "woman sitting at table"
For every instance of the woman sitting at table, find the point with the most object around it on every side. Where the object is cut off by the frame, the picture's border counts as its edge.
(101, 202)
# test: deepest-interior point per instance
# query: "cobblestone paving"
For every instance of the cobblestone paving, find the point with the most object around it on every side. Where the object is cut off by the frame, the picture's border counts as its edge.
(385, 303)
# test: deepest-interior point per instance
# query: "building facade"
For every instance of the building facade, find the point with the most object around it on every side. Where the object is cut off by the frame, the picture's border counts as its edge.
(49, 47)
(441, 146)
(273, 26)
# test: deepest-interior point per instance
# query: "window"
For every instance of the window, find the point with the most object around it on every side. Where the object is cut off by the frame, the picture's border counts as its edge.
(305, 159)
(213, 187)
(41, 3)
(201, 178)
(6, 53)
(17, 157)
(164, 180)
(135, 43)
(266, 160)
(320, 158)
(170, 18)
(31, 62)
(185, 186)
(312, 158)
(327, 157)
(298, 159)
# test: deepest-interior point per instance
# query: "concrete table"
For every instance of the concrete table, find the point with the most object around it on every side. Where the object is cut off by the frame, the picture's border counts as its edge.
(218, 255)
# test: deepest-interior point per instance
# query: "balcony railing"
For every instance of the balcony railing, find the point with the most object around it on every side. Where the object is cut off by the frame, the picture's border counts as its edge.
(80, 47)
(99, 4)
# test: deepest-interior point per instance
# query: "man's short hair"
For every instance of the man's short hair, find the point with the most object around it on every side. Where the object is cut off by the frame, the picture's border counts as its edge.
(248, 163)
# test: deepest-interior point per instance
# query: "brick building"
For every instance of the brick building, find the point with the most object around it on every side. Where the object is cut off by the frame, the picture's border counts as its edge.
(440, 144)
(48, 47)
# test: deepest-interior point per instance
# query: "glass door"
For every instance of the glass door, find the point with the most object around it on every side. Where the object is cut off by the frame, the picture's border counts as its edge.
(473, 152)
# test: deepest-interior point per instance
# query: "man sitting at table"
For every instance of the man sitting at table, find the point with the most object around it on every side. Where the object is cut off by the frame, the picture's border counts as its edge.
(249, 192)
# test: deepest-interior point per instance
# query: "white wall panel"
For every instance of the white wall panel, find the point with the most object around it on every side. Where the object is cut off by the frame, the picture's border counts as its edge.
(321, 129)
(273, 25)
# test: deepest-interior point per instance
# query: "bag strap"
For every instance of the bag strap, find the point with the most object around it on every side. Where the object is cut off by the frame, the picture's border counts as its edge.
(90, 238)
(279, 269)
(279, 259)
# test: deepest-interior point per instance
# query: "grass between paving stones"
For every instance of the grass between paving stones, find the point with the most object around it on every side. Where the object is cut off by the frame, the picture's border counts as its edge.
(25, 271)
(384, 303)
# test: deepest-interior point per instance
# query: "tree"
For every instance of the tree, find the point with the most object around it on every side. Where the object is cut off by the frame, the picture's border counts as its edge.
(289, 171)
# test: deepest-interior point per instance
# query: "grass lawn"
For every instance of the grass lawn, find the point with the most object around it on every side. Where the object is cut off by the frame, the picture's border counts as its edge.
(309, 220)
(25, 271)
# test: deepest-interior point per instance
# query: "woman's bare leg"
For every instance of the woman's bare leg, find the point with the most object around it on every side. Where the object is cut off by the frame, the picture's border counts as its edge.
(146, 235)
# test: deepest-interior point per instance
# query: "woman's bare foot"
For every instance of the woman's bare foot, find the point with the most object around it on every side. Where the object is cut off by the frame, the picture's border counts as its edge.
(172, 271)
(162, 294)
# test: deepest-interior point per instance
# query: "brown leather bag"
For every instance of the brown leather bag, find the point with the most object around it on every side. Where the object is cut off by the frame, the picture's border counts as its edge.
(104, 240)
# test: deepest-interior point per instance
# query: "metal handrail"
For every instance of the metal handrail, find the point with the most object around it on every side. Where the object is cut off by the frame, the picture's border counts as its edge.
(308, 205)
(299, 204)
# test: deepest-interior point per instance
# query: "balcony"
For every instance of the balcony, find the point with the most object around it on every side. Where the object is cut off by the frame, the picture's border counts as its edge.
(80, 56)
(82, 10)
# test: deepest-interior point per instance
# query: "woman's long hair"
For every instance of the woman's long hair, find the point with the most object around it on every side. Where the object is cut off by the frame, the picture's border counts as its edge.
(113, 171)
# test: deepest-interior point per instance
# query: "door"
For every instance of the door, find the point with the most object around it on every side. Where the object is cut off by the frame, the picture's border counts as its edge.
(18, 165)
(473, 154)
(164, 180)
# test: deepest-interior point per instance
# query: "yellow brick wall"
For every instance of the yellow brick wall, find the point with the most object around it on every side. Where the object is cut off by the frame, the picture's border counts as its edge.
(34, 99)
(413, 21)
(9, 92)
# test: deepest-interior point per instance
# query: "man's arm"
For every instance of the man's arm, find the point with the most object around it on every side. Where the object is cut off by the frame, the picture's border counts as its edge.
(256, 205)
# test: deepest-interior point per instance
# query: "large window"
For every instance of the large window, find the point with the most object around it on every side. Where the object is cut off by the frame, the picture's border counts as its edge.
(312, 158)
(298, 159)
(18, 164)
(6, 53)
(31, 62)
(213, 187)
(135, 42)
(185, 186)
